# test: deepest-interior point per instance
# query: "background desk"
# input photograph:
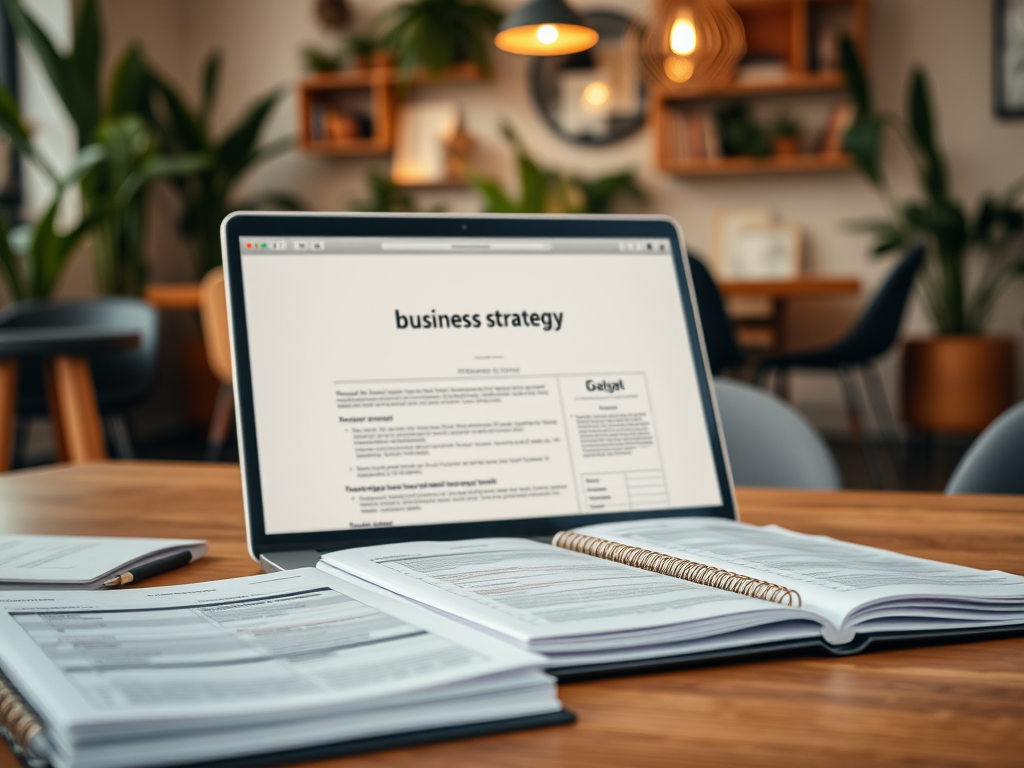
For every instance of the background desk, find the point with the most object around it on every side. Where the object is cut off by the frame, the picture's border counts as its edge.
(779, 294)
(946, 705)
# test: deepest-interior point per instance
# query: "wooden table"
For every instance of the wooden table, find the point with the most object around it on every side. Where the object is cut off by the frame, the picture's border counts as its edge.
(953, 705)
(781, 293)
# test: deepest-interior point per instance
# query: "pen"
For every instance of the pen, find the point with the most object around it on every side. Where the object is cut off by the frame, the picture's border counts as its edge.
(146, 570)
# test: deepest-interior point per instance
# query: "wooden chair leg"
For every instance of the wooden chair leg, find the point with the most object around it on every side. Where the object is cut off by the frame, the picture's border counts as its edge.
(8, 409)
(60, 450)
(220, 424)
(79, 414)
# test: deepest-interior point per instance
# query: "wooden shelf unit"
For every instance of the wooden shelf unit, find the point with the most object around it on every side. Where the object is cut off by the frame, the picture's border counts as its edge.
(383, 87)
(778, 28)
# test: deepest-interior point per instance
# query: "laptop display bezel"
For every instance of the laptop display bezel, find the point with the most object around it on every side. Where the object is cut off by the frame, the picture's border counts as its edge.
(268, 225)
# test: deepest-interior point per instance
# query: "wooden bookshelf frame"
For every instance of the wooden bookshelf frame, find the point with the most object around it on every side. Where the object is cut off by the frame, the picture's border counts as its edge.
(782, 28)
(385, 86)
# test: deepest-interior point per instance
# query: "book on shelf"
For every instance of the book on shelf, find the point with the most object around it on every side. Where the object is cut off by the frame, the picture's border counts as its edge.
(250, 671)
(670, 591)
(694, 135)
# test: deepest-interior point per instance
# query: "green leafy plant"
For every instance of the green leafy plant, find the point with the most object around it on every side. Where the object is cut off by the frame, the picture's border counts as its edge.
(385, 196)
(33, 256)
(741, 135)
(993, 235)
(114, 189)
(207, 195)
(786, 125)
(318, 60)
(361, 46)
(434, 34)
(547, 191)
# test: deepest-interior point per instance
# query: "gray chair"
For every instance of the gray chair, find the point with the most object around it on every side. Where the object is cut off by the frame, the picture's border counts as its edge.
(770, 443)
(995, 461)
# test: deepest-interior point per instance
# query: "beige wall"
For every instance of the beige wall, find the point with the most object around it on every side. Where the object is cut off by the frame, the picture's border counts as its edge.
(261, 40)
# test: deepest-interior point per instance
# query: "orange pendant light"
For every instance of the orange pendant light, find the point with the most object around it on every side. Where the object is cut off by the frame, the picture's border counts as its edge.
(545, 28)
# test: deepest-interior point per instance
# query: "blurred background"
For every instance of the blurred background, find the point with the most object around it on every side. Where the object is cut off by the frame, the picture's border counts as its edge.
(803, 146)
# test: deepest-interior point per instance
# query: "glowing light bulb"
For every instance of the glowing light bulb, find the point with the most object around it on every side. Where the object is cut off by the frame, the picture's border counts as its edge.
(547, 33)
(596, 94)
(678, 69)
(682, 40)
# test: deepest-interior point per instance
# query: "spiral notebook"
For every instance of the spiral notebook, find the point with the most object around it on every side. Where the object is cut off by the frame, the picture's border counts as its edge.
(642, 594)
(250, 671)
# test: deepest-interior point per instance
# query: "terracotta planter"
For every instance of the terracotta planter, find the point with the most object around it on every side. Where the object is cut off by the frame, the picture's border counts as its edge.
(956, 383)
(786, 145)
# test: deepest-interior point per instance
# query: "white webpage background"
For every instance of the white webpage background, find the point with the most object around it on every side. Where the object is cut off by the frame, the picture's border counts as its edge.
(316, 320)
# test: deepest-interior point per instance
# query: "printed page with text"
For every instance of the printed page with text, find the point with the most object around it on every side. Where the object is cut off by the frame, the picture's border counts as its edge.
(397, 387)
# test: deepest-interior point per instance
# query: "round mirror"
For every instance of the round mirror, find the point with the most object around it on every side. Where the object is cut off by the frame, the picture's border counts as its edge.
(596, 96)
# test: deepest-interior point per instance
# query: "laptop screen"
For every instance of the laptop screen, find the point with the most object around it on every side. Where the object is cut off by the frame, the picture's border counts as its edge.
(424, 381)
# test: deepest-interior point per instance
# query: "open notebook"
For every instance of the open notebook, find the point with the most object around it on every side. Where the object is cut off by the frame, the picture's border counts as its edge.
(754, 590)
(250, 671)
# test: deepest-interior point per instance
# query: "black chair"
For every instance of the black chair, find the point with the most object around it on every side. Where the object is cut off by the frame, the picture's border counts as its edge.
(122, 378)
(873, 335)
(723, 352)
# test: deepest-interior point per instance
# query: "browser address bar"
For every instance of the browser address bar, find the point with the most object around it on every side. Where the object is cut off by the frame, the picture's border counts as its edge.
(512, 245)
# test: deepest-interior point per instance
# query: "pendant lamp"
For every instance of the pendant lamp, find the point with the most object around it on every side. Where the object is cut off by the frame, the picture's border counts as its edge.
(690, 44)
(544, 28)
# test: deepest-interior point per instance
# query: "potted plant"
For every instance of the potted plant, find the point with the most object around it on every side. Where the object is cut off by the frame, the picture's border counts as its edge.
(207, 196)
(436, 34)
(547, 191)
(115, 187)
(786, 135)
(33, 257)
(961, 379)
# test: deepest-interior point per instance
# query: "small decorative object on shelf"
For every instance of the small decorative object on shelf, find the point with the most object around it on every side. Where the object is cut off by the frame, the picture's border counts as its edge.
(786, 135)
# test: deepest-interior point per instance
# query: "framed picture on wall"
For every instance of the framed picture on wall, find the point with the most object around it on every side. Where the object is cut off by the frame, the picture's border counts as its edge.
(1008, 60)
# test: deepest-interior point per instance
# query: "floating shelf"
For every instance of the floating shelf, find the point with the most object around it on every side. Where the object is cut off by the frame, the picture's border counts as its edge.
(748, 166)
(382, 86)
(794, 82)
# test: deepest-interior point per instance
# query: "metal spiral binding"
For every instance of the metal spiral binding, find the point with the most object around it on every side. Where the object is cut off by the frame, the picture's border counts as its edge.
(18, 723)
(677, 567)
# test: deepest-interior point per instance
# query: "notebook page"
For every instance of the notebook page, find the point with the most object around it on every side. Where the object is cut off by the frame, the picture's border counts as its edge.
(532, 592)
(265, 649)
(27, 560)
(834, 578)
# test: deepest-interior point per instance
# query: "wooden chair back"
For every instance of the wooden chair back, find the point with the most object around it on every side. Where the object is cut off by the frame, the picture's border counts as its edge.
(213, 315)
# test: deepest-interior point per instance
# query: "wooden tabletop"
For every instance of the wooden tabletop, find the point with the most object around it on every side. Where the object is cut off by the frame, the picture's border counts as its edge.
(952, 705)
(172, 296)
(806, 286)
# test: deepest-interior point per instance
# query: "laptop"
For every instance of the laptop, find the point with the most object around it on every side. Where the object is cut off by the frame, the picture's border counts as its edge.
(405, 377)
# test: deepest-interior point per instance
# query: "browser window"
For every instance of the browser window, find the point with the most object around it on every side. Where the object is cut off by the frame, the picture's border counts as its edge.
(402, 382)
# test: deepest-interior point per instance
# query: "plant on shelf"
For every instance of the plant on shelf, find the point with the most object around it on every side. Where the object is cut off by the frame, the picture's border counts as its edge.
(972, 256)
(741, 135)
(207, 195)
(435, 34)
(785, 135)
(318, 60)
(548, 191)
(115, 187)
(385, 196)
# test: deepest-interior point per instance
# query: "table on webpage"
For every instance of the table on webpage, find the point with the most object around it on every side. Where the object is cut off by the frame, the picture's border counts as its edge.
(435, 446)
